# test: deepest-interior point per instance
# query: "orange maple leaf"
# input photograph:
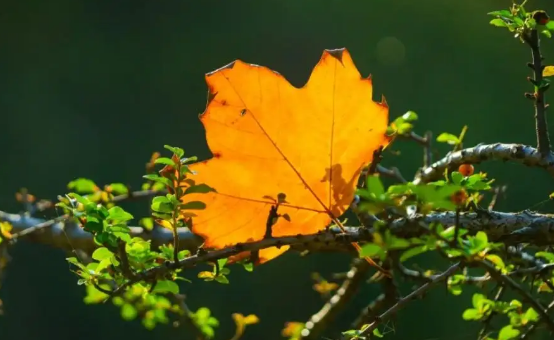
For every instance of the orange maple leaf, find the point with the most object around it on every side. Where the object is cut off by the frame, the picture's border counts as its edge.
(271, 140)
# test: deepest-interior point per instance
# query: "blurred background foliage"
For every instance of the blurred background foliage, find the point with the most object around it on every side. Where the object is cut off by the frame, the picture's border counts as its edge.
(92, 88)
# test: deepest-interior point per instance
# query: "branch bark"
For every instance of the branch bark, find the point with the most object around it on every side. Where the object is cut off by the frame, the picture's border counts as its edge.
(519, 153)
(510, 228)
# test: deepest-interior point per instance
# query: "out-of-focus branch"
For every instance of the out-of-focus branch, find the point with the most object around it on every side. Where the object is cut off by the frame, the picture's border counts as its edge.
(384, 300)
(337, 302)
(65, 233)
(519, 153)
(186, 317)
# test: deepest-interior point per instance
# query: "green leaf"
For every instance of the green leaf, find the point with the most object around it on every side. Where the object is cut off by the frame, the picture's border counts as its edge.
(410, 116)
(531, 315)
(476, 182)
(477, 300)
(498, 23)
(545, 255)
(95, 296)
(193, 205)
(377, 333)
(455, 289)
(222, 262)
(482, 237)
(502, 13)
(471, 314)
(118, 214)
(456, 177)
(413, 252)
(497, 260)
(395, 243)
(147, 223)
(199, 189)
(75, 261)
(370, 249)
(105, 263)
(177, 151)
(202, 315)
(93, 225)
(128, 312)
(162, 204)
(189, 160)
(448, 138)
(546, 33)
(83, 185)
(165, 161)
(166, 286)
(222, 279)
(83, 200)
(374, 185)
(101, 253)
(449, 232)
(248, 266)
(507, 333)
(404, 128)
(118, 188)
(159, 179)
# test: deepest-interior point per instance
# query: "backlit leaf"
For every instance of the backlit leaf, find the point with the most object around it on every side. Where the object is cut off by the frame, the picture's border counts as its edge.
(270, 139)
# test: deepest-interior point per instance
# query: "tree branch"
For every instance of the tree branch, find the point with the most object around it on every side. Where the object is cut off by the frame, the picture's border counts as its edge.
(510, 228)
(519, 153)
(543, 140)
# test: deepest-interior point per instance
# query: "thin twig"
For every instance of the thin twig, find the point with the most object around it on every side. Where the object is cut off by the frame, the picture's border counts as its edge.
(535, 325)
(125, 267)
(427, 151)
(487, 321)
(393, 173)
(508, 281)
(405, 300)
(49, 223)
(319, 321)
(187, 317)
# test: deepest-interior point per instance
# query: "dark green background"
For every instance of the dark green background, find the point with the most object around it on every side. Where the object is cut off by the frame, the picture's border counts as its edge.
(92, 88)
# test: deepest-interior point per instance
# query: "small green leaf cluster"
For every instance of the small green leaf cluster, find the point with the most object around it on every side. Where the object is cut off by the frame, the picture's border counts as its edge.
(518, 316)
(205, 321)
(218, 274)
(119, 257)
(403, 125)
(518, 21)
(169, 210)
(438, 195)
